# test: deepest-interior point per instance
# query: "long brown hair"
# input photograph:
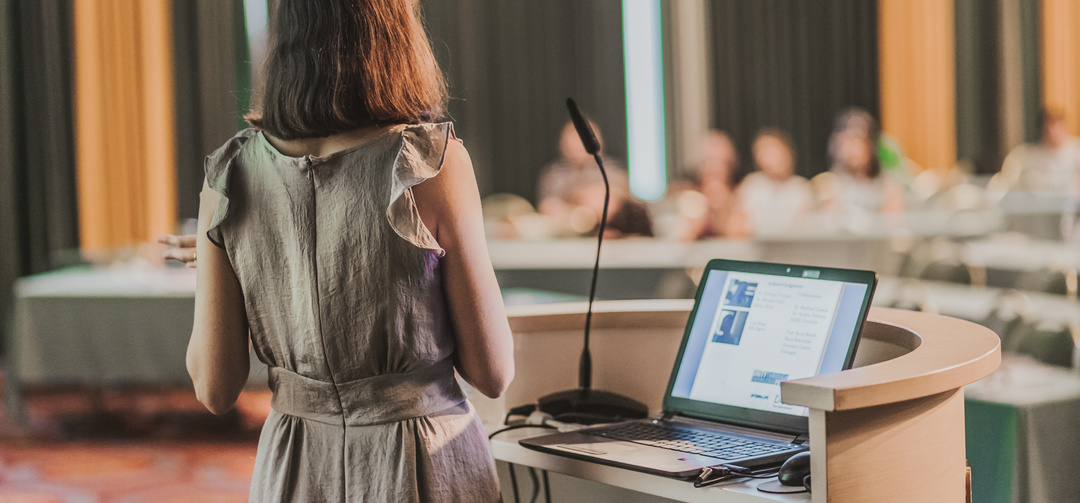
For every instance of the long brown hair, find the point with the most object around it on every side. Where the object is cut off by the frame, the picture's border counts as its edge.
(339, 65)
(857, 119)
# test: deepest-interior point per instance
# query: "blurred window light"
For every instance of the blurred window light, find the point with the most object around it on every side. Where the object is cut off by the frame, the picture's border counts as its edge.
(644, 66)
(256, 17)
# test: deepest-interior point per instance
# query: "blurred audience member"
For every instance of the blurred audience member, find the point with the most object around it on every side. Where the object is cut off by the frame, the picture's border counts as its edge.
(855, 183)
(571, 192)
(510, 216)
(773, 197)
(1053, 164)
(703, 203)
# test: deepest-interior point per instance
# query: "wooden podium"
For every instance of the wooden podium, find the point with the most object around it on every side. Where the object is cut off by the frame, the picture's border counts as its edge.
(889, 430)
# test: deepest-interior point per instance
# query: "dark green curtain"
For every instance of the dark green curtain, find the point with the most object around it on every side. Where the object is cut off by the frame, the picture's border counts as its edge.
(511, 66)
(978, 107)
(1031, 65)
(792, 64)
(212, 87)
(38, 208)
(979, 114)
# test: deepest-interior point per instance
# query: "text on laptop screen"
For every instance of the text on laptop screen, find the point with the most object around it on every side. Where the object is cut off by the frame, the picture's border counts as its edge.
(753, 331)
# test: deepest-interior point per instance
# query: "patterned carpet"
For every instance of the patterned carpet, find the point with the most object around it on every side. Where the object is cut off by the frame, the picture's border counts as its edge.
(129, 472)
(128, 447)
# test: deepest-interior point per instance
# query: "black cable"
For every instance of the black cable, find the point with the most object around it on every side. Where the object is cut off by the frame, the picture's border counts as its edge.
(535, 484)
(513, 482)
(725, 475)
(513, 474)
(770, 475)
(547, 488)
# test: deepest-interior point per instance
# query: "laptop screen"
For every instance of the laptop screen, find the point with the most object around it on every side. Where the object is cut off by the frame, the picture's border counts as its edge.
(755, 325)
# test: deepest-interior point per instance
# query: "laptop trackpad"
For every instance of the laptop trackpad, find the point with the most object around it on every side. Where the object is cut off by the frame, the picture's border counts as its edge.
(599, 448)
(638, 455)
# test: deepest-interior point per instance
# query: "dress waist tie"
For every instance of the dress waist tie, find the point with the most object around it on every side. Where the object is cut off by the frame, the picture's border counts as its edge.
(379, 399)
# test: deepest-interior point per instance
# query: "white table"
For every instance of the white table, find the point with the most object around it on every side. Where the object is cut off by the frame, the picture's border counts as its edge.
(1023, 440)
(114, 326)
(1020, 253)
(973, 303)
(505, 448)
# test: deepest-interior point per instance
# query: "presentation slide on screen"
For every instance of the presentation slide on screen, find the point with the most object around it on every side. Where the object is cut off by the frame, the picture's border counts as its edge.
(767, 329)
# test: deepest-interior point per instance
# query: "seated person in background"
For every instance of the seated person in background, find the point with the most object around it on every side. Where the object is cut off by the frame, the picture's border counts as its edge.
(1053, 164)
(773, 197)
(571, 192)
(626, 216)
(702, 203)
(855, 184)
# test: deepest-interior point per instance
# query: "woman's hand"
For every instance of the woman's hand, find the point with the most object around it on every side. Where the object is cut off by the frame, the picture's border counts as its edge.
(180, 248)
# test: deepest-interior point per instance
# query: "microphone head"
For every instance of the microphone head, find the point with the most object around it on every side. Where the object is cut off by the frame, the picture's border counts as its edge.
(588, 138)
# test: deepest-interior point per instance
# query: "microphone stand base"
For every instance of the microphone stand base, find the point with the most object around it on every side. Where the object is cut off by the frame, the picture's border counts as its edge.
(590, 406)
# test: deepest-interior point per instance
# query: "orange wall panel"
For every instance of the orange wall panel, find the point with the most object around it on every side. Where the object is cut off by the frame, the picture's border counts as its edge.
(918, 79)
(1060, 45)
(124, 122)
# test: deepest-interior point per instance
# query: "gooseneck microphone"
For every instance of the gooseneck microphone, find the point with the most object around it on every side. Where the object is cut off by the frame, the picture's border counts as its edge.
(586, 405)
(592, 146)
(585, 132)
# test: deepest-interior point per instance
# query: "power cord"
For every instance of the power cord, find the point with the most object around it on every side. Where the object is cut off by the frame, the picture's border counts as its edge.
(547, 488)
(536, 485)
(513, 482)
(533, 419)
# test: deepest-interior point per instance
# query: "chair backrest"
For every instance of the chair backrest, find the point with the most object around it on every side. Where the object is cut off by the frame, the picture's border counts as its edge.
(1053, 346)
(1045, 281)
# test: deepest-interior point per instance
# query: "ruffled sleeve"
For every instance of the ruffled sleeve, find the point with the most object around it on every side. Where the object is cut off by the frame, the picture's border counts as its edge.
(423, 148)
(218, 165)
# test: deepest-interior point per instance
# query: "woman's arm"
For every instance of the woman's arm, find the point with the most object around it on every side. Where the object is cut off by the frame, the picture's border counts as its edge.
(449, 206)
(217, 354)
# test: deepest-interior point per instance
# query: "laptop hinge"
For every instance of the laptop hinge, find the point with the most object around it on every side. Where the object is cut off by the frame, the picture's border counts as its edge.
(801, 439)
(666, 416)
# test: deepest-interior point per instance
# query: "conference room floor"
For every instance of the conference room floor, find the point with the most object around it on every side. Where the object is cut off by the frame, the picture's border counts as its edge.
(76, 448)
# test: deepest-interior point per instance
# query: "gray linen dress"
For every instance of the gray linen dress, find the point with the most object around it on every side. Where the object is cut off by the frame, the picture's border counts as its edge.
(345, 304)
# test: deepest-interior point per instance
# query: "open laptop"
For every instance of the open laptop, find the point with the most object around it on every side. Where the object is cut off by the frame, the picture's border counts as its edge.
(753, 325)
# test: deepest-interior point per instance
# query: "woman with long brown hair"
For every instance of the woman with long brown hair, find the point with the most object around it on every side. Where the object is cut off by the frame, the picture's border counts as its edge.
(343, 231)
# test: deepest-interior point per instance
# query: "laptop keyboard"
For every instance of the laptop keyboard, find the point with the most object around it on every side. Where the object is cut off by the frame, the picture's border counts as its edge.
(693, 441)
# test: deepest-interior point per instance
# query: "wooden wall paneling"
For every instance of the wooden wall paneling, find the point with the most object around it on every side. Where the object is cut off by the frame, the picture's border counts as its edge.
(125, 125)
(917, 79)
(1060, 40)
(158, 119)
(95, 226)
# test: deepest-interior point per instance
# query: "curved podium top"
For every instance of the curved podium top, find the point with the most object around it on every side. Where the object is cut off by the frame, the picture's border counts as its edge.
(937, 354)
(903, 354)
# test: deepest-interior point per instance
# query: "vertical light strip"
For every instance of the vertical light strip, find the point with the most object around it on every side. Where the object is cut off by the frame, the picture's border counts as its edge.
(643, 62)
(256, 17)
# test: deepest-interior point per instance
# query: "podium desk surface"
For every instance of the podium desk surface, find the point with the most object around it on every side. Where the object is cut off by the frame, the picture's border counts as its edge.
(505, 447)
